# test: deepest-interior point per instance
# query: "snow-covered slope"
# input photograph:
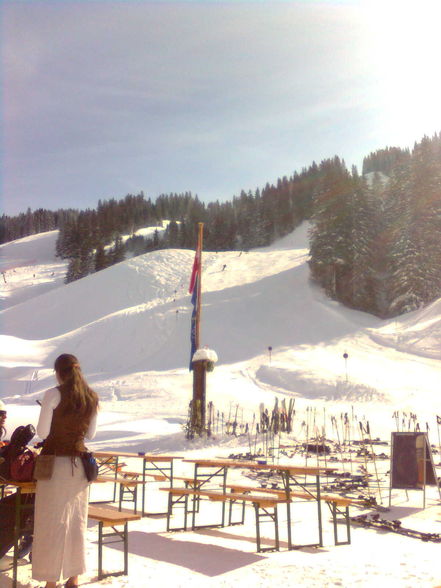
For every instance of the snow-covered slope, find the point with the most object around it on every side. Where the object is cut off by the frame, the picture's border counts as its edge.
(29, 268)
(134, 317)
(250, 301)
(130, 325)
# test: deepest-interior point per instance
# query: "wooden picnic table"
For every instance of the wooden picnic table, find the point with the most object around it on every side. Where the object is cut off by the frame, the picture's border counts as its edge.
(22, 488)
(151, 464)
(206, 470)
(104, 516)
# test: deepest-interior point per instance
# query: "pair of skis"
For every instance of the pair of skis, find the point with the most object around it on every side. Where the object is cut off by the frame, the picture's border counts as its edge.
(374, 521)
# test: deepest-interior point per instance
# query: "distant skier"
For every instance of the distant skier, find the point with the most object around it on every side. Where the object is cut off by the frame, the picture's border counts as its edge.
(225, 265)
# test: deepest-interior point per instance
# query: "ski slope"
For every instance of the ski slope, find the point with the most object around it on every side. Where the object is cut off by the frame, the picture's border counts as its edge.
(130, 325)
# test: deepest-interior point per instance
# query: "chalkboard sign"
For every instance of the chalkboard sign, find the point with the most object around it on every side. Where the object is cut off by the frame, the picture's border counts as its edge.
(412, 465)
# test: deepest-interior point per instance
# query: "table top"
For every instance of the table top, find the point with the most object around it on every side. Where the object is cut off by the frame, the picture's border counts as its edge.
(252, 465)
(144, 456)
(25, 487)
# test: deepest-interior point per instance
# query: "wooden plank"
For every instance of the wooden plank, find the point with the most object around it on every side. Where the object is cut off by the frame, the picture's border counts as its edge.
(251, 465)
(25, 487)
(122, 481)
(157, 477)
(144, 456)
(108, 514)
(277, 491)
(340, 500)
(224, 497)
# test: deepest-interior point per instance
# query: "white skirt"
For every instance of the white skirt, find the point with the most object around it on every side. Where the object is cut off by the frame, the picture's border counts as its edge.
(60, 523)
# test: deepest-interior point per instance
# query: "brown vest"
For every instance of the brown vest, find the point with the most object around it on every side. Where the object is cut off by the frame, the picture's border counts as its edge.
(66, 436)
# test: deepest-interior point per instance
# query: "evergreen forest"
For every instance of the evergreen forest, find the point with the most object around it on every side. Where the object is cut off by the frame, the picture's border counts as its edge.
(375, 237)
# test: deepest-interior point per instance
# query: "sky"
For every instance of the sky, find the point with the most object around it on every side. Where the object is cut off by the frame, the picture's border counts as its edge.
(101, 99)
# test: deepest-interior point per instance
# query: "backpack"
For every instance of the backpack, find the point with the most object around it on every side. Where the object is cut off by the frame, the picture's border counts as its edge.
(16, 459)
(22, 466)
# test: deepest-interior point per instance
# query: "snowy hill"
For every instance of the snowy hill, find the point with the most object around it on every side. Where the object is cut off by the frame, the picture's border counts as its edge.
(30, 268)
(134, 318)
(130, 327)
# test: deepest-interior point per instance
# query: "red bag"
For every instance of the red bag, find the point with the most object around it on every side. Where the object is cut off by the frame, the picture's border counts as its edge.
(22, 466)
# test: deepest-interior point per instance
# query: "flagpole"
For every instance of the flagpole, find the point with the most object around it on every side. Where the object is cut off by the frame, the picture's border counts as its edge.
(199, 367)
(199, 284)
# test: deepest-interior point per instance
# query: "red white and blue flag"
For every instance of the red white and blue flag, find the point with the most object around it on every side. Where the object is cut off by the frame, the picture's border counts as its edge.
(195, 272)
(194, 291)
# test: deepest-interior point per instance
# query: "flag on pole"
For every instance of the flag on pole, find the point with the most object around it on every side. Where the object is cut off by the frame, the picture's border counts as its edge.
(194, 301)
(194, 272)
(195, 290)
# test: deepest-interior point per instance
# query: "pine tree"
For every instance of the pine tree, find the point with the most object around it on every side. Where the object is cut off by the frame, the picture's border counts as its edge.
(331, 261)
(100, 259)
(117, 253)
(73, 270)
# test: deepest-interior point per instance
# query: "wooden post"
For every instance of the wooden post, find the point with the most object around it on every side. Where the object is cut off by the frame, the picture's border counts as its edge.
(199, 396)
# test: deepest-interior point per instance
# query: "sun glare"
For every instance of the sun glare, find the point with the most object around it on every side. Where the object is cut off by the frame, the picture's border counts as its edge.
(406, 52)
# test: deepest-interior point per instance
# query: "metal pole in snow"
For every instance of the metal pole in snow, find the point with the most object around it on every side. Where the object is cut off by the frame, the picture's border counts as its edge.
(345, 356)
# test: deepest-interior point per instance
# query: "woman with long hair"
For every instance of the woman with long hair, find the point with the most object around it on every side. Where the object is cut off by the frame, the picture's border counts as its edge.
(68, 416)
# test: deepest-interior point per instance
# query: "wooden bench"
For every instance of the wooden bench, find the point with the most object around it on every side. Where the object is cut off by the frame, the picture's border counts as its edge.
(127, 486)
(334, 502)
(137, 475)
(160, 477)
(109, 465)
(262, 507)
(340, 500)
(106, 516)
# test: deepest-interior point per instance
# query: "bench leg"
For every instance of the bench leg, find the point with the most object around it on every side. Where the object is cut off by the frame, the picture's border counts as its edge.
(126, 548)
(256, 509)
(100, 550)
(16, 537)
(288, 522)
(335, 512)
(171, 503)
(230, 514)
(274, 517)
(133, 496)
(20, 505)
(124, 537)
(169, 511)
(319, 512)
(185, 512)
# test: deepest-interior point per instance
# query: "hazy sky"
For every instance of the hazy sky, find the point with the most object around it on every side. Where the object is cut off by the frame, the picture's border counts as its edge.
(103, 98)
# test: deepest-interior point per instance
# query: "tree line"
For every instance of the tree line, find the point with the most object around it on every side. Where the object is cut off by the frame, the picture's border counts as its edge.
(375, 239)
(92, 239)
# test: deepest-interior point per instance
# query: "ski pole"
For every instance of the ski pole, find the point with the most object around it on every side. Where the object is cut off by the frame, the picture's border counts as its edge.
(339, 445)
(307, 437)
(365, 459)
(438, 423)
(374, 460)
